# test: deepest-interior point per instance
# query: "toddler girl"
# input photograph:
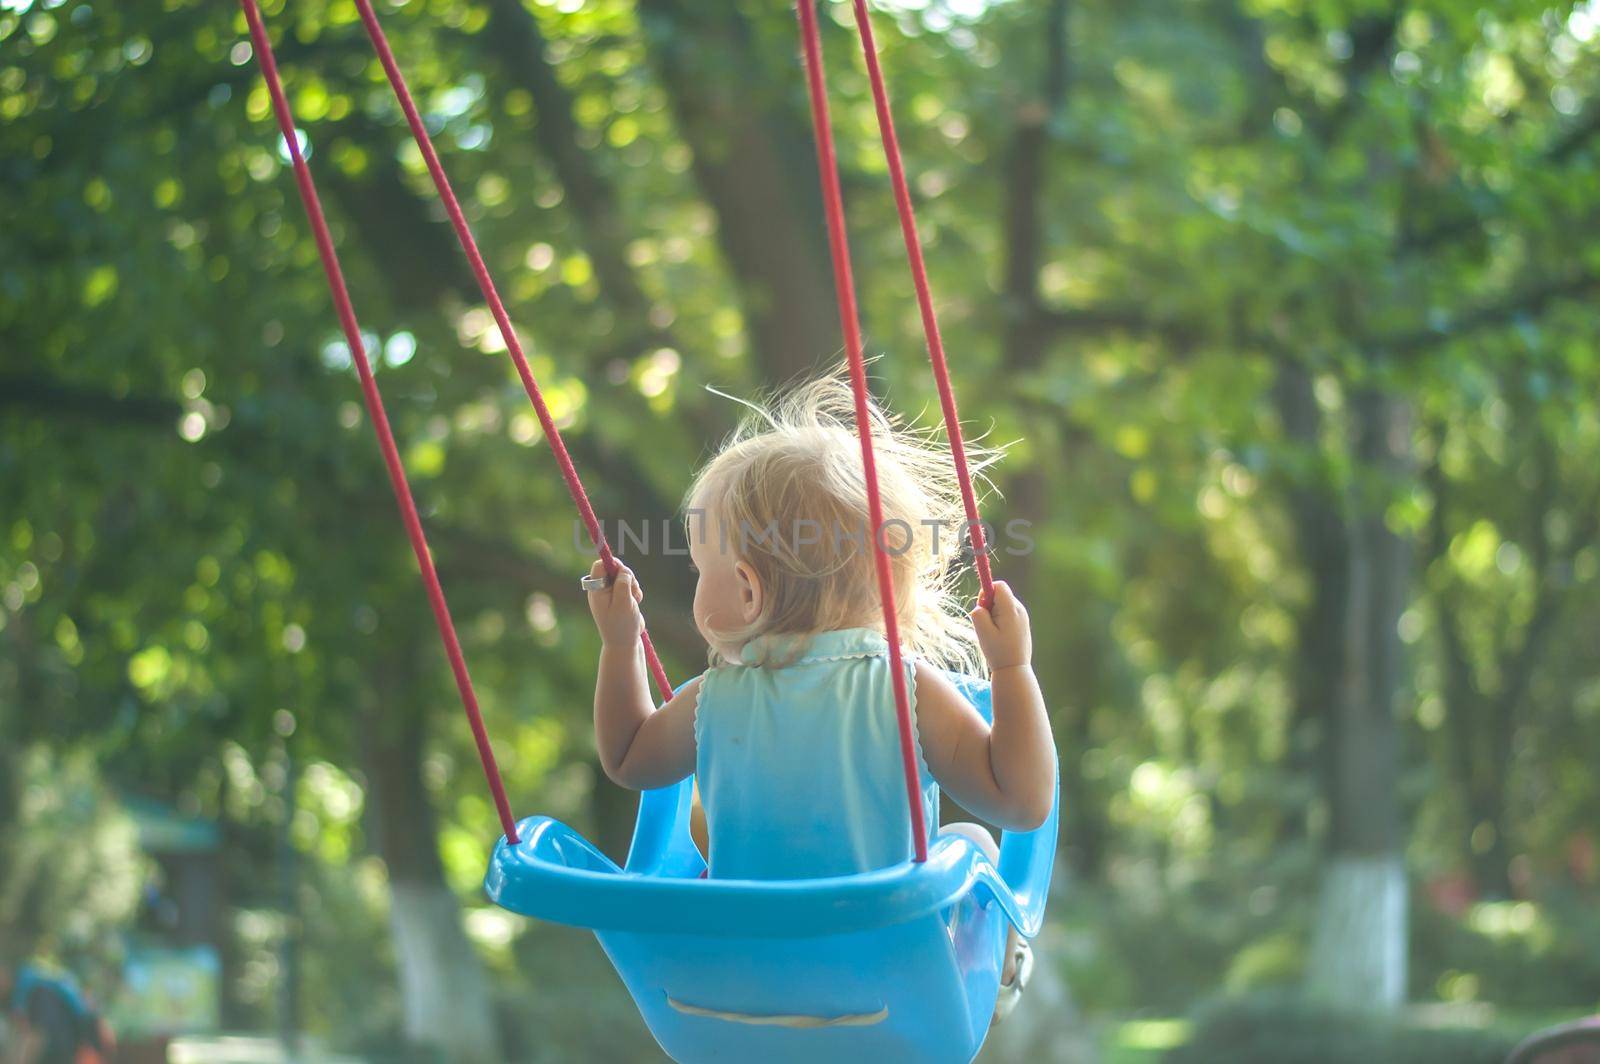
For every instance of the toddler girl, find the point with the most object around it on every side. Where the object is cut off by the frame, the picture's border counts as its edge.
(791, 733)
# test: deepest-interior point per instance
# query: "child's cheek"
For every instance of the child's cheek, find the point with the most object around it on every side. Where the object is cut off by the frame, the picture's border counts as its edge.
(700, 602)
(705, 606)
(711, 600)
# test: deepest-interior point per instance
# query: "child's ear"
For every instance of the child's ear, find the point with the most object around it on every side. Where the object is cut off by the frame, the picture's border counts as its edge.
(750, 592)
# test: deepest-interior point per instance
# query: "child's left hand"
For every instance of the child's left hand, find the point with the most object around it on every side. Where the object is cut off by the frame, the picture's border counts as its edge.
(1004, 634)
(616, 606)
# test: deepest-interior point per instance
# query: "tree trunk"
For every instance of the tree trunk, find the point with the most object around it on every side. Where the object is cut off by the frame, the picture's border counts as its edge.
(234, 856)
(1026, 335)
(1486, 839)
(1482, 723)
(1045, 1026)
(416, 256)
(1358, 946)
(444, 995)
(1079, 673)
(1324, 550)
(754, 162)
(1358, 954)
(516, 39)
(614, 810)
(24, 692)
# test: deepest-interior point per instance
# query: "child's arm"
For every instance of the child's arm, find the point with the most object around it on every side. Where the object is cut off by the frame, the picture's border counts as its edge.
(640, 746)
(1004, 774)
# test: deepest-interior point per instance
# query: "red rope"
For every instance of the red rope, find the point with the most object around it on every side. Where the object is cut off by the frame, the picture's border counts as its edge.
(380, 420)
(930, 323)
(491, 294)
(849, 319)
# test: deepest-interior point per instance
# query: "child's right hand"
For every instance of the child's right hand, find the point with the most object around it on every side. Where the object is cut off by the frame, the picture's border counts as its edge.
(1004, 634)
(616, 606)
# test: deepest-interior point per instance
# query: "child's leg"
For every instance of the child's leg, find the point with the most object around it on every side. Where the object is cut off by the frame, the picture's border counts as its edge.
(1019, 957)
(979, 836)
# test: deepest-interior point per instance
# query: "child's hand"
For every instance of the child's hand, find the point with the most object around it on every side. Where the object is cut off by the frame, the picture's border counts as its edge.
(1003, 631)
(616, 606)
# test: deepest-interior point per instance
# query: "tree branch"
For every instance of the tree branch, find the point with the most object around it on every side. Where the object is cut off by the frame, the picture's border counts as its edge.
(1571, 140)
(39, 394)
(1371, 44)
(1460, 682)
(1530, 301)
(1028, 325)
(418, 256)
(516, 40)
(1548, 608)
(1181, 339)
(469, 555)
(1184, 338)
(1562, 147)
(752, 158)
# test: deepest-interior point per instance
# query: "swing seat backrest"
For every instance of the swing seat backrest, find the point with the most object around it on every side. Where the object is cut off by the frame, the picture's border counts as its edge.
(901, 963)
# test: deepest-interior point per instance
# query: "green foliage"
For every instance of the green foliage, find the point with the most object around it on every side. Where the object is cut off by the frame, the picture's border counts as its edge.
(201, 575)
(1279, 1030)
(1522, 954)
(1148, 941)
(566, 993)
(73, 867)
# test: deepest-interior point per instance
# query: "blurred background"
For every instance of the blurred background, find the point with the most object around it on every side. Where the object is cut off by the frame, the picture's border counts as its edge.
(1287, 305)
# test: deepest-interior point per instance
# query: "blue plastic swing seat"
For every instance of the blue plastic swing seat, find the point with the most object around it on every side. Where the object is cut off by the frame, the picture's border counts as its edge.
(898, 964)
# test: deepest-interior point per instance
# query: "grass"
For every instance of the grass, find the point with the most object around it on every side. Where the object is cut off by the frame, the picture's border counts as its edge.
(1147, 1040)
(1142, 1041)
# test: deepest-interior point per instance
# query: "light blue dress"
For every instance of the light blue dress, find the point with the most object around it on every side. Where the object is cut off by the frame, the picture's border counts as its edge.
(799, 766)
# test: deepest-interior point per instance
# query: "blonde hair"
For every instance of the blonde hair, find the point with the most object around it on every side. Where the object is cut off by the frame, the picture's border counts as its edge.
(795, 463)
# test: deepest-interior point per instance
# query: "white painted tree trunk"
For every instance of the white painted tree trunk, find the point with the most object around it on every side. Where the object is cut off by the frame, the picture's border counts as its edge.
(1358, 945)
(1358, 948)
(444, 995)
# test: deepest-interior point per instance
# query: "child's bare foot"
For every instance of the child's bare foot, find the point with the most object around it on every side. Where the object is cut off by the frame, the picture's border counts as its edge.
(1014, 975)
